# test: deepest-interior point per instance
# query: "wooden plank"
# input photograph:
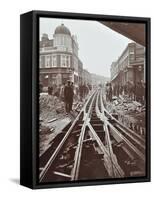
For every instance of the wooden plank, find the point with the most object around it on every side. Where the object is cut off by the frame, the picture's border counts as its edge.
(61, 174)
(52, 120)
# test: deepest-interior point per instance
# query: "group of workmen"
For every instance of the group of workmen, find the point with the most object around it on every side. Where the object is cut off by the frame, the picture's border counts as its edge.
(135, 92)
(68, 93)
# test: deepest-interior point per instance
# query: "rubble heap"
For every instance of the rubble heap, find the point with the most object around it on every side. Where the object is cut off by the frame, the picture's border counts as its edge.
(50, 106)
(130, 113)
(52, 119)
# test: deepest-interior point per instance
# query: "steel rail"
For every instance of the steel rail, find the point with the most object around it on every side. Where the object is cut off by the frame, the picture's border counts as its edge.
(110, 160)
(118, 172)
(127, 142)
(128, 129)
(116, 169)
(142, 146)
(78, 153)
(100, 115)
(54, 155)
(135, 150)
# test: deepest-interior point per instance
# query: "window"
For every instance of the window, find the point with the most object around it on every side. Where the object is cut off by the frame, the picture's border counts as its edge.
(54, 61)
(58, 41)
(131, 58)
(47, 61)
(68, 61)
(65, 61)
(75, 64)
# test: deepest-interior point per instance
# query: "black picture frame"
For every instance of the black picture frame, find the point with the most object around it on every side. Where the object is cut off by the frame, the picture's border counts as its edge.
(29, 104)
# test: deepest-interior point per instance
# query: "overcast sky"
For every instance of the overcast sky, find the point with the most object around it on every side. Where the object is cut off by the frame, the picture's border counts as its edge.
(99, 46)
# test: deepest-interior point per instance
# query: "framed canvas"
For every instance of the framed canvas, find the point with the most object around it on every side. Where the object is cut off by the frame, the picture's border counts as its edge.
(85, 99)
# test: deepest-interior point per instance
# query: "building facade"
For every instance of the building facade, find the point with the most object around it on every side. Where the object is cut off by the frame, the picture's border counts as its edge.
(80, 72)
(129, 67)
(59, 60)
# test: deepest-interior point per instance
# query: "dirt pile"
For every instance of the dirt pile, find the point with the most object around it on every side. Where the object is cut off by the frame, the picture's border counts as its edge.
(50, 107)
(52, 119)
(129, 112)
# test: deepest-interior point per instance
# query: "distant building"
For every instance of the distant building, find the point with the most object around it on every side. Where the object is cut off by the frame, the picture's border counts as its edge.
(86, 77)
(59, 60)
(98, 79)
(80, 72)
(129, 67)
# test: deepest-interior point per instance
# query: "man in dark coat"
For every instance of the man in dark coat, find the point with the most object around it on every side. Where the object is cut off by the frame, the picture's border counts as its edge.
(110, 92)
(68, 96)
(71, 97)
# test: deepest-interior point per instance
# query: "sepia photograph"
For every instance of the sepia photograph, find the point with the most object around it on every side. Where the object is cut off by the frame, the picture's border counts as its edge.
(92, 100)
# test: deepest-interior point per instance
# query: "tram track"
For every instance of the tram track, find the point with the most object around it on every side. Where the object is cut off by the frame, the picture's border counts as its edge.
(94, 146)
(127, 141)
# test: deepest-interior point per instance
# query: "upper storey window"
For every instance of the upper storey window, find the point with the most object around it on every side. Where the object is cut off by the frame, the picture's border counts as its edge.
(47, 61)
(65, 61)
